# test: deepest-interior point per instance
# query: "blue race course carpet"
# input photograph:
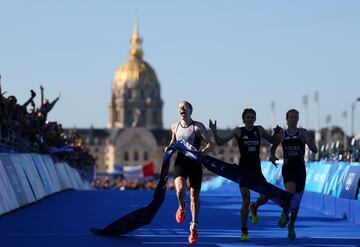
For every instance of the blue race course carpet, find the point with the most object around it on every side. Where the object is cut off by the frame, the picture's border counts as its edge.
(64, 219)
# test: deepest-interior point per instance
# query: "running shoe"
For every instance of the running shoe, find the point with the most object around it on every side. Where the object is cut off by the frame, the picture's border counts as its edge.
(180, 215)
(244, 234)
(253, 210)
(193, 237)
(283, 220)
(291, 232)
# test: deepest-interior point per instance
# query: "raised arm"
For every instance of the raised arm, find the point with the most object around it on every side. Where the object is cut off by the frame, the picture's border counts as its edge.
(264, 134)
(202, 132)
(33, 94)
(42, 96)
(220, 140)
(277, 139)
(32, 103)
(51, 105)
(308, 140)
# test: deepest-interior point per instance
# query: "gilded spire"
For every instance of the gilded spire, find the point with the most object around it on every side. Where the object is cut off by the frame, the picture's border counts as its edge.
(135, 43)
(136, 28)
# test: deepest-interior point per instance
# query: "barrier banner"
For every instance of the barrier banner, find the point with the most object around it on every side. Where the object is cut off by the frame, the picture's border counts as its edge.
(25, 178)
(316, 178)
(18, 164)
(72, 178)
(14, 179)
(44, 174)
(309, 177)
(326, 189)
(133, 172)
(49, 164)
(313, 176)
(337, 180)
(324, 177)
(78, 179)
(63, 176)
(8, 200)
(351, 183)
(33, 176)
(69, 176)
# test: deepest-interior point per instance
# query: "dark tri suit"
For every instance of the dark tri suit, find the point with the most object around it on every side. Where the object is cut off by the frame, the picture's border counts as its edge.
(294, 164)
(184, 166)
(249, 147)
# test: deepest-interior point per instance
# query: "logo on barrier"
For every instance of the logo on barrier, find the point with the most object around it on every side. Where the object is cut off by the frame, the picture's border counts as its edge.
(349, 180)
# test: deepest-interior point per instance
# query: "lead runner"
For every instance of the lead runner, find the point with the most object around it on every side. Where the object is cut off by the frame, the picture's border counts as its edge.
(193, 132)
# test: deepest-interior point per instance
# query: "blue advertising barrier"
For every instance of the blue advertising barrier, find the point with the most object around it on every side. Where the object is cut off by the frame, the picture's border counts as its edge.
(331, 187)
(8, 200)
(15, 179)
(63, 177)
(351, 182)
(17, 163)
(338, 179)
(33, 176)
(26, 178)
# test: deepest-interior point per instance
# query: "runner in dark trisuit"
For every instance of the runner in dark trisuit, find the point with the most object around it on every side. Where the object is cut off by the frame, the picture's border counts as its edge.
(294, 172)
(248, 139)
(192, 132)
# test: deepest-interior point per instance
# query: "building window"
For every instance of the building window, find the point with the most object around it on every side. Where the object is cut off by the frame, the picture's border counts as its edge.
(136, 156)
(129, 118)
(154, 115)
(143, 118)
(126, 156)
(146, 156)
(116, 116)
(142, 93)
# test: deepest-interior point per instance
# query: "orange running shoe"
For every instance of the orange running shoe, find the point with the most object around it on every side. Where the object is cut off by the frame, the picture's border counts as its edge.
(180, 215)
(193, 238)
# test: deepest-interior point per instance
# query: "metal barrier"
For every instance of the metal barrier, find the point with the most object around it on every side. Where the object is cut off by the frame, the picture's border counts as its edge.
(25, 178)
(12, 143)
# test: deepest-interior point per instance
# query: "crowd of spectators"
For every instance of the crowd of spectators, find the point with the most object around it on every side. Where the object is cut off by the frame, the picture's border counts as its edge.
(120, 183)
(25, 128)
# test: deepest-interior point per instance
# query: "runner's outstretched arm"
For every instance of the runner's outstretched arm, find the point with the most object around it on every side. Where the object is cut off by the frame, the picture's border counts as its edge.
(220, 140)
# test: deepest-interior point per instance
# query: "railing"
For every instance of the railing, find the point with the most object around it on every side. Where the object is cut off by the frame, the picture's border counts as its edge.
(10, 142)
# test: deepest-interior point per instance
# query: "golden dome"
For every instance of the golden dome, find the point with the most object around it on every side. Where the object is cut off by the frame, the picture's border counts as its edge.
(135, 71)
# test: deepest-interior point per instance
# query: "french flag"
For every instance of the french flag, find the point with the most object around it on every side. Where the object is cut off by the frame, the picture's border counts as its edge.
(140, 171)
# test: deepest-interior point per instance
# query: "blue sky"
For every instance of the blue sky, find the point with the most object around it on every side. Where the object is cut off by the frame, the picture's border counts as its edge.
(222, 56)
